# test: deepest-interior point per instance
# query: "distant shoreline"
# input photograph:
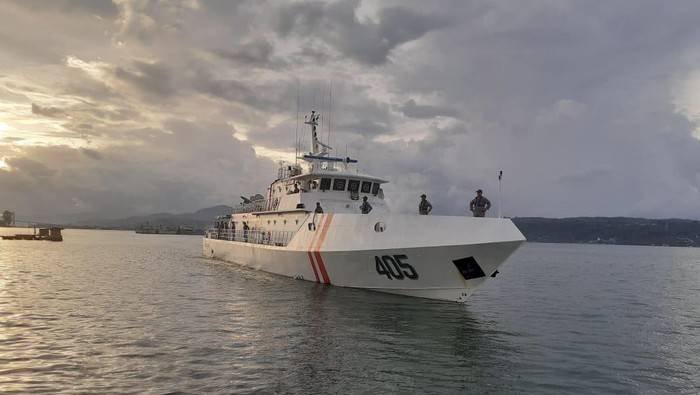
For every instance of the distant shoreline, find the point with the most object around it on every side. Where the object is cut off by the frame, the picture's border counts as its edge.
(670, 232)
(611, 230)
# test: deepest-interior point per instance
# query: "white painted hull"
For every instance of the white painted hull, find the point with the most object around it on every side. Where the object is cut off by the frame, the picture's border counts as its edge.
(344, 250)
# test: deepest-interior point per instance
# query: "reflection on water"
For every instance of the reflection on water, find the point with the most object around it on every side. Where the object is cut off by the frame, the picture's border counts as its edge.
(120, 312)
(369, 342)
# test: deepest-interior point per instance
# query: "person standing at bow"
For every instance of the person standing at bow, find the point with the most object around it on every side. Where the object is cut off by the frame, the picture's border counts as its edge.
(480, 204)
(424, 207)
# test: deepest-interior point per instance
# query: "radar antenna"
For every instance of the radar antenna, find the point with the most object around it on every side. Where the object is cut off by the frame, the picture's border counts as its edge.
(312, 120)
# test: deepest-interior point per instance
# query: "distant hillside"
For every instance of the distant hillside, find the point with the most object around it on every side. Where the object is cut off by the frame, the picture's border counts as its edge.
(611, 230)
(199, 219)
(591, 230)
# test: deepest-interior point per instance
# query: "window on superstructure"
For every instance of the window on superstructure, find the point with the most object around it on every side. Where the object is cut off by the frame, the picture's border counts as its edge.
(325, 184)
(375, 188)
(339, 184)
(366, 186)
(354, 185)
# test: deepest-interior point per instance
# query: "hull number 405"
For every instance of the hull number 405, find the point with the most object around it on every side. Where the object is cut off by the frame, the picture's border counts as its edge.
(395, 267)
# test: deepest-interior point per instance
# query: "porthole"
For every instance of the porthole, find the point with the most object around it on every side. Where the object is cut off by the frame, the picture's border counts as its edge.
(379, 227)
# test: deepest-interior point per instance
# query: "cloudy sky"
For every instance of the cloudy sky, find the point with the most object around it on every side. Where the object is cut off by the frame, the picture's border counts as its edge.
(117, 108)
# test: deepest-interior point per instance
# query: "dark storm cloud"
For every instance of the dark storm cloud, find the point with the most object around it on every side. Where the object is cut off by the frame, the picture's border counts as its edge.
(587, 179)
(151, 78)
(257, 53)
(227, 89)
(413, 110)
(365, 127)
(314, 54)
(183, 166)
(30, 167)
(102, 8)
(149, 21)
(46, 31)
(368, 42)
(46, 111)
(91, 153)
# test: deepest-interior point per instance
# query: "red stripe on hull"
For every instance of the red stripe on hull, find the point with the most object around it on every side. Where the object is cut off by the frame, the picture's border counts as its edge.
(313, 266)
(319, 260)
(316, 243)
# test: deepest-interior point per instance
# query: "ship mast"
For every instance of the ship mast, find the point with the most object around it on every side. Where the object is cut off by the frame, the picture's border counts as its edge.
(315, 143)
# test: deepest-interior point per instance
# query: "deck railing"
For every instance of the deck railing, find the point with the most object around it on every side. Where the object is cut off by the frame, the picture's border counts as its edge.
(254, 206)
(278, 238)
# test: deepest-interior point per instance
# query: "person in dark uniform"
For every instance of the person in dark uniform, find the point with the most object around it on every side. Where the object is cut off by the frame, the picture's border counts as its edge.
(365, 207)
(246, 228)
(424, 207)
(317, 211)
(479, 205)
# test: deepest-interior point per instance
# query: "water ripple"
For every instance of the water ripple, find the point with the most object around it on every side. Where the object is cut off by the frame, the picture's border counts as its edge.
(114, 312)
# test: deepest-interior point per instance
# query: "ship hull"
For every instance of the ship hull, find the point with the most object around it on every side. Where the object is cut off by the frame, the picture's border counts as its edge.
(444, 258)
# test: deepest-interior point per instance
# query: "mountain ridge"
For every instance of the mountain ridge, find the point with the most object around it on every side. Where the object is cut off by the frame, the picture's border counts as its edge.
(199, 219)
(586, 230)
(611, 230)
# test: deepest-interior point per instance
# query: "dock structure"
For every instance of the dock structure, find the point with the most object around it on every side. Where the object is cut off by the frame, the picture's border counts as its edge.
(50, 234)
(42, 231)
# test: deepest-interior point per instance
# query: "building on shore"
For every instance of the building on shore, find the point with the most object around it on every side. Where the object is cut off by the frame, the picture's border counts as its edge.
(8, 218)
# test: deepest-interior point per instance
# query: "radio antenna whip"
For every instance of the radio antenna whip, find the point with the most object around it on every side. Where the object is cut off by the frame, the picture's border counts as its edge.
(330, 109)
(296, 131)
(500, 193)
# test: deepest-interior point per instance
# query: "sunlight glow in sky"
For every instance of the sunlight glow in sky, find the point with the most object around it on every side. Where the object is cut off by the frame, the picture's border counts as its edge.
(687, 100)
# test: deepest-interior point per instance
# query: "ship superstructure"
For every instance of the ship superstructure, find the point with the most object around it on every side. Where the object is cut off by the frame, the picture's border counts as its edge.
(310, 225)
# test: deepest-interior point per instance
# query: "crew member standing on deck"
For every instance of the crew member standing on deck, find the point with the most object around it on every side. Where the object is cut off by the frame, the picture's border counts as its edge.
(317, 211)
(424, 207)
(365, 207)
(479, 205)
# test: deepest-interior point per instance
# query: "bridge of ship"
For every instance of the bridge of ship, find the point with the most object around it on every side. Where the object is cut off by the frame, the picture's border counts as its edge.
(333, 182)
(328, 181)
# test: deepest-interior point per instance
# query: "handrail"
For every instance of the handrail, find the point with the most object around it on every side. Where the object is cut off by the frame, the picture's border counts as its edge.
(278, 238)
(253, 206)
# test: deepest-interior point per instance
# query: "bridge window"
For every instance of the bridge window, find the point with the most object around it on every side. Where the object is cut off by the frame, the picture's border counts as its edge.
(375, 188)
(339, 184)
(325, 184)
(353, 185)
(366, 186)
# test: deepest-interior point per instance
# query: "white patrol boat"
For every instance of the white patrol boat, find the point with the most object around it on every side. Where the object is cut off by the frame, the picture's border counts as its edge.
(285, 232)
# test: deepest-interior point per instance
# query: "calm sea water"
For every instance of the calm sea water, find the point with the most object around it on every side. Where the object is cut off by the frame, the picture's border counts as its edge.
(108, 312)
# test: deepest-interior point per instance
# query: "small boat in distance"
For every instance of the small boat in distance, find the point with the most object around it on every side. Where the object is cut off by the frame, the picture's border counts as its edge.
(313, 225)
(51, 234)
